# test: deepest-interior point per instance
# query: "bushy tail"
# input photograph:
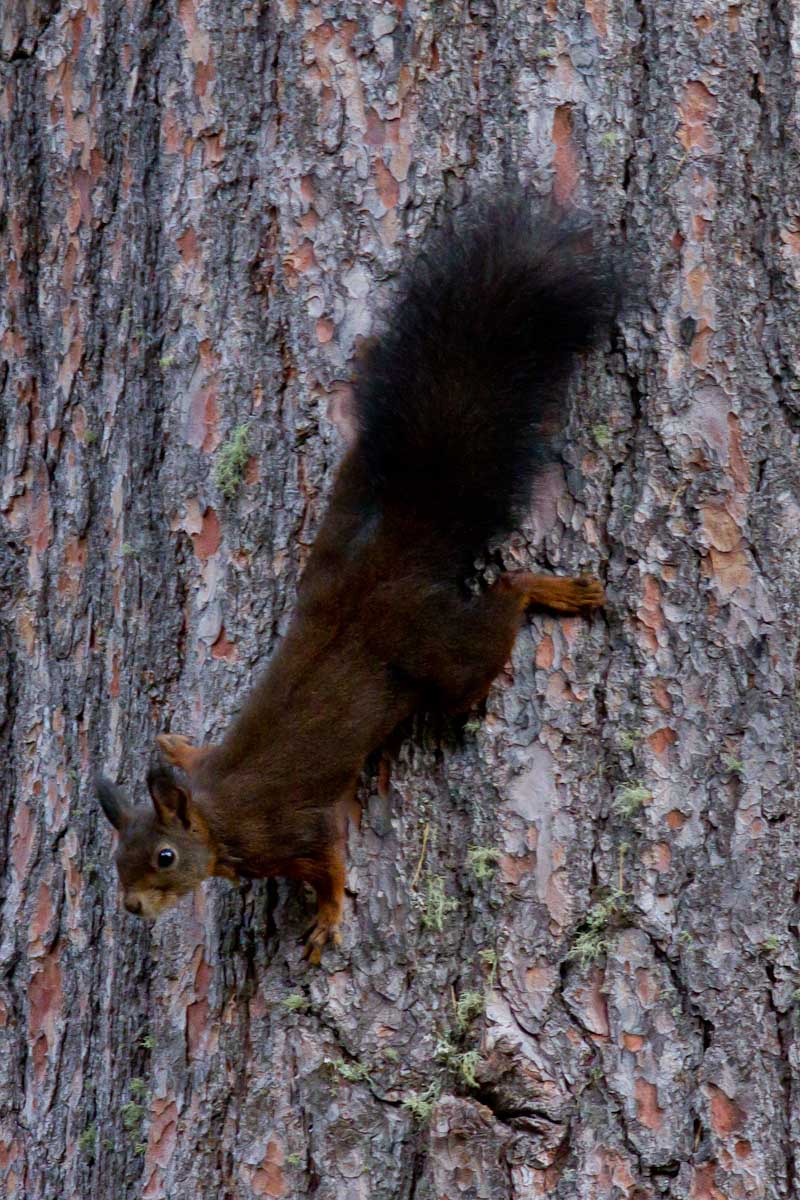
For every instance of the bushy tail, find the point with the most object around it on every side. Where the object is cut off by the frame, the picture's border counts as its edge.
(456, 398)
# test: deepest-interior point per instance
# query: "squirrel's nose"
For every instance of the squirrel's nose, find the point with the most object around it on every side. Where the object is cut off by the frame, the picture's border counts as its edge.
(133, 906)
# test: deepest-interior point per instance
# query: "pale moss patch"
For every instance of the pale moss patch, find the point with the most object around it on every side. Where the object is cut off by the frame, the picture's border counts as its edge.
(436, 904)
(463, 1063)
(421, 1104)
(602, 436)
(295, 1002)
(630, 799)
(591, 940)
(354, 1072)
(87, 1142)
(232, 460)
(482, 861)
(469, 1006)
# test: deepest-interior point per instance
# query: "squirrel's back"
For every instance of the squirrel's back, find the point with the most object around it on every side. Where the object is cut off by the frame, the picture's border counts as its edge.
(456, 397)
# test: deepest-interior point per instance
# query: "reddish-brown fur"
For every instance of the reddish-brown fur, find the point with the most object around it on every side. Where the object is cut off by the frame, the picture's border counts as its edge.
(380, 630)
(384, 623)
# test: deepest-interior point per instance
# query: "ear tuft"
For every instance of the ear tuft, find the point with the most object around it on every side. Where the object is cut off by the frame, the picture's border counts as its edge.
(112, 801)
(170, 799)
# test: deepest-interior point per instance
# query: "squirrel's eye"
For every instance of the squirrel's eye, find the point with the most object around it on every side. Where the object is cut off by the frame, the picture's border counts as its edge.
(166, 857)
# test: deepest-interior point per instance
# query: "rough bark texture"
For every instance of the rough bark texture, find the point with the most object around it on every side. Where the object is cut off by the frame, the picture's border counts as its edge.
(200, 204)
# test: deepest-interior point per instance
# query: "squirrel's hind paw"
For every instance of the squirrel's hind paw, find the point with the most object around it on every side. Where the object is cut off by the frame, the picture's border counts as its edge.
(323, 930)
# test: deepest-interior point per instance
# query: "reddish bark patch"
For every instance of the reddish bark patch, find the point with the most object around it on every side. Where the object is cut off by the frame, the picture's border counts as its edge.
(374, 135)
(658, 857)
(564, 160)
(738, 464)
(42, 913)
(514, 867)
(632, 1041)
(222, 648)
(791, 240)
(163, 1132)
(649, 612)
(558, 692)
(699, 351)
(545, 653)
(39, 526)
(660, 741)
(598, 11)
(697, 283)
(302, 259)
(45, 997)
(196, 1021)
(324, 329)
(646, 986)
(207, 540)
(675, 819)
(720, 528)
(83, 187)
(730, 570)
(113, 686)
(74, 561)
(703, 1186)
(696, 109)
(76, 29)
(726, 1116)
(203, 76)
(593, 1003)
(647, 1110)
(171, 133)
(13, 343)
(202, 424)
(252, 471)
(209, 358)
(69, 267)
(187, 246)
(386, 185)
(197, 1013)
(268, 1179)
(22, 839)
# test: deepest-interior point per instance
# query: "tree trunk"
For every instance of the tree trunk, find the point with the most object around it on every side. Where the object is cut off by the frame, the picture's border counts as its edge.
(570, 964)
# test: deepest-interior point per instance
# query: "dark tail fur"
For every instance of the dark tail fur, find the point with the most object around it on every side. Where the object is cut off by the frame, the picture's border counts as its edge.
(456, 398)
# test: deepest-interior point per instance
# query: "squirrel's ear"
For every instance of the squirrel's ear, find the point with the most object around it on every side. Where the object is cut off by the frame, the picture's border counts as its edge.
(112, 801)
(178, 750)
(169, 798)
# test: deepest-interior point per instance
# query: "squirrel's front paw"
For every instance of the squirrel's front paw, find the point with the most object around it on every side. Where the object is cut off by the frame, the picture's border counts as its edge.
(323, 930)
(588, 592)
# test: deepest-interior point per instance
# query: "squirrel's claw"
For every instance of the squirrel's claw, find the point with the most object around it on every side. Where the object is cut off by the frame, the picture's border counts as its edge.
(589, 592)
(320, 932)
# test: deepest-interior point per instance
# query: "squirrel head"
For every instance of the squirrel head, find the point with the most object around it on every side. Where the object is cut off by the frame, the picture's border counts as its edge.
(165, 848)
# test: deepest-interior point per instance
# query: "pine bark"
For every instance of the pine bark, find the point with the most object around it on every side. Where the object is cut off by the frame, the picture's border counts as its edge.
(570, 966)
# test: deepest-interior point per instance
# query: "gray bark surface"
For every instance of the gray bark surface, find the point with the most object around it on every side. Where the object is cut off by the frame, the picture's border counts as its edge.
(570, 964)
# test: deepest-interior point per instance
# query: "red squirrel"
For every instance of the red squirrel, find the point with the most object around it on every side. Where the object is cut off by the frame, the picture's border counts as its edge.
(454, 401)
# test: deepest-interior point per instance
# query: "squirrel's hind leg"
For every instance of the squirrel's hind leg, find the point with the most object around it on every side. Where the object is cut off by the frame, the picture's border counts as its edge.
(327, 875)
(485, 632)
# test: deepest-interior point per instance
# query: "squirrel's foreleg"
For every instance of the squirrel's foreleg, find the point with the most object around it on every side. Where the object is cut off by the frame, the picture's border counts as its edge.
(570, 594)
